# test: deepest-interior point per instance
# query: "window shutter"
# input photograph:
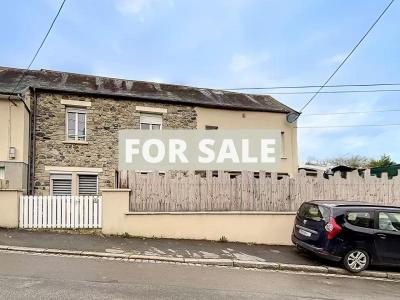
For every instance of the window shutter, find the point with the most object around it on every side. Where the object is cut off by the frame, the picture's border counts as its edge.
(150, 122)
(61, 187)
(150, 119)
(87, 185)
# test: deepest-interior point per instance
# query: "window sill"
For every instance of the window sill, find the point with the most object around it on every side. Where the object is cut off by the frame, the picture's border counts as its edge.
(83, 104)
(76, 142)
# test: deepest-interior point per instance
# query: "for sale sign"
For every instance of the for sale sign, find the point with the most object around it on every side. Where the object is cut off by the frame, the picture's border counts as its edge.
(235, 150)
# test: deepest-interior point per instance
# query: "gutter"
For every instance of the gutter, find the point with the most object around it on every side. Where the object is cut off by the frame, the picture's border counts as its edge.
(12, 97)
(9, 96)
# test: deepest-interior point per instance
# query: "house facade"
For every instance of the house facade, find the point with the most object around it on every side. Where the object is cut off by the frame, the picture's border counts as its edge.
(14, 140)
(71, 145)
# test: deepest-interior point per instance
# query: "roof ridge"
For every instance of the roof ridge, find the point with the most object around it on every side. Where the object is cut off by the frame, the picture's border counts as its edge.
(151, 82)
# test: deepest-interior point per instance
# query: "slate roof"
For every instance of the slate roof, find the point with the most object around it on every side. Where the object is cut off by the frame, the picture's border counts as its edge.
(125, 89)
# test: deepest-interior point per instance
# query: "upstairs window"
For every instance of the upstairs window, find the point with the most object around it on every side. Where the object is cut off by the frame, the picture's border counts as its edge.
(150, 122)
(76, 124)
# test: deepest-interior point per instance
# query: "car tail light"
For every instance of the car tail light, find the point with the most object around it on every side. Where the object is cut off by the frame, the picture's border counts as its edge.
(332, 228)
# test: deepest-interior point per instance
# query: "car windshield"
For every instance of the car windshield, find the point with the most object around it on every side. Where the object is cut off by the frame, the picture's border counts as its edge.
(314, 212)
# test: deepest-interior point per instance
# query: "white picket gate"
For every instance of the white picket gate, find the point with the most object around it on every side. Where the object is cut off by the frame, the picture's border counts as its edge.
(60, 212)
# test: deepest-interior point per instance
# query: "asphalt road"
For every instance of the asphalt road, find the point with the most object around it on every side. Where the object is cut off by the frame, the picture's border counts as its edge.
(28, 276)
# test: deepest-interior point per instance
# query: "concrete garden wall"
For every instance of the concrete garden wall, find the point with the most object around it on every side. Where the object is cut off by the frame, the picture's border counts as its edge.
(9, 208)
(249, 227)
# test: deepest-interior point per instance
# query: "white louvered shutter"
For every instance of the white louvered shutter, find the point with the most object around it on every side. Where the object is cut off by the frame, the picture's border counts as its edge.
(61, 186)
(87, 185)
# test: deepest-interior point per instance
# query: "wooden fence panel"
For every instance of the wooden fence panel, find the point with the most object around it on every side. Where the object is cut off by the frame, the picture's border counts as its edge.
(247, 191)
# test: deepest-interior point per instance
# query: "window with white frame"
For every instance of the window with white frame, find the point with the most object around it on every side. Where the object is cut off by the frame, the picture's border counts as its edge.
(76, 124)
(74, 183)
(150, 122)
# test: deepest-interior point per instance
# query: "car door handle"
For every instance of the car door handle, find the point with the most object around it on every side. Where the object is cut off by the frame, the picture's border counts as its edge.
(382, 235)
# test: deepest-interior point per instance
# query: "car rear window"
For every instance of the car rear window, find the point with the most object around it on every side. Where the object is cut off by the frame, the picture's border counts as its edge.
(314, 212)
(360, 219)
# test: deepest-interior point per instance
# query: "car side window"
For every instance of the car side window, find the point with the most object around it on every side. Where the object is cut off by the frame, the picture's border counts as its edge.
(389, 221)
(360, 219)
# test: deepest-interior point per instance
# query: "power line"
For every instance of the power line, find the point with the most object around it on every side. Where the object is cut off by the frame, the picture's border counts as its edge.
(40, 47)
(347, 126)
(312, 86)
(352, 112)
(347, 57)
(336, 92)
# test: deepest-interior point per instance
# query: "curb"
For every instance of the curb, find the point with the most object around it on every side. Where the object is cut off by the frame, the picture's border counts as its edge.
(210, 262)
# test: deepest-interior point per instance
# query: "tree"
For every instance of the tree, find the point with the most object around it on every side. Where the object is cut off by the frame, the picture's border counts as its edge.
(354, 161)
(383, 161)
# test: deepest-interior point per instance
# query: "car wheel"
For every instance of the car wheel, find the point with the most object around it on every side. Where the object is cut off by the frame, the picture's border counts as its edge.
(356, 260)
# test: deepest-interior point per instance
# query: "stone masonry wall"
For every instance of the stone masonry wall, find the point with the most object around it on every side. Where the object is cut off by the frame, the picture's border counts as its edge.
(105, 118)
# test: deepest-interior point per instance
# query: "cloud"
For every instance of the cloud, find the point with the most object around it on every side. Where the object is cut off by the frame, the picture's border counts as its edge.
(242, 62)
(137, 7)
(132, 6)
(156, 79)
(334, 60)
(352, 142)
(55, 5)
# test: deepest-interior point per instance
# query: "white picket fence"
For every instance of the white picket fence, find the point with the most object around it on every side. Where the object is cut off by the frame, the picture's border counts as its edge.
(60, 212)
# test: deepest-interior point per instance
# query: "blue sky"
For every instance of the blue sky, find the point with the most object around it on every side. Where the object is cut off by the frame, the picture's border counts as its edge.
(228, 44)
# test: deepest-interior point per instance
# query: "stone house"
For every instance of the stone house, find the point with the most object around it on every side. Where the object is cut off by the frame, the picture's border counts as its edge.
(65, 134)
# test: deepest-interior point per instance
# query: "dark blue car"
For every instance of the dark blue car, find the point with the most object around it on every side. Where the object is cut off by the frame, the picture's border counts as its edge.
(353, 233)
